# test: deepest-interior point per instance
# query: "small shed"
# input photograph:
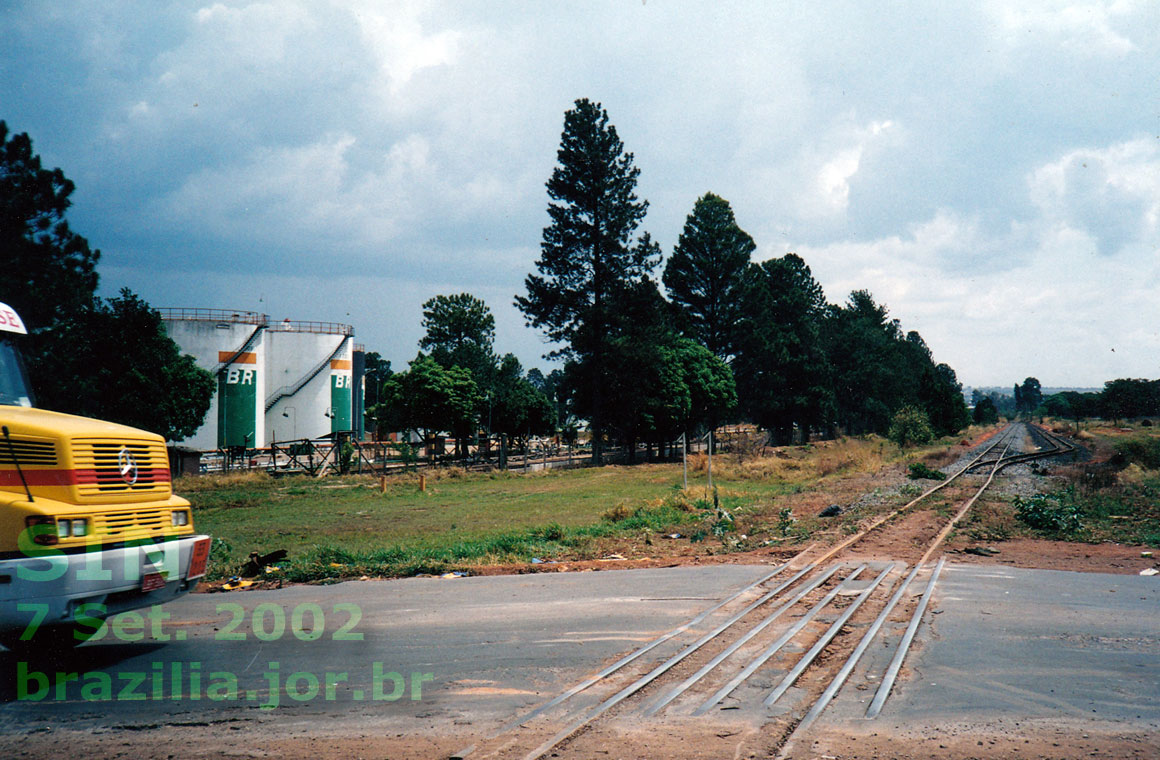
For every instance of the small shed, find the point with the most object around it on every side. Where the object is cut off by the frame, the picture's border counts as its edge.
(184, 460)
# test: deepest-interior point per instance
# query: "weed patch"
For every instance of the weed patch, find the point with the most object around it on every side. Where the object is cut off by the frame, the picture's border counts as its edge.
(1052, 513)
(920, 471)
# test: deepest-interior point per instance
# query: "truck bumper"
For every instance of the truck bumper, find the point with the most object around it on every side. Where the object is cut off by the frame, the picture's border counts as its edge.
(55, 588)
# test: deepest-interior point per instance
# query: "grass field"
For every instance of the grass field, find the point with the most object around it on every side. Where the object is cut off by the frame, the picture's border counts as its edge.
(346, 526)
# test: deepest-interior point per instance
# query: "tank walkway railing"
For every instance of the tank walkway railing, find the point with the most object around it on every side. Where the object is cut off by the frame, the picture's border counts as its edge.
(214, 315)
(317, 328)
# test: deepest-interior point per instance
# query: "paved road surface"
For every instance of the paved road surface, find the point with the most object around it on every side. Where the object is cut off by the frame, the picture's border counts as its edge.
(997, 642)
(483, 648)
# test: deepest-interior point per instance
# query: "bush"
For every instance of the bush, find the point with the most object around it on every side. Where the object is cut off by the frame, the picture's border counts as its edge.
(910, 427)
(919, 471)
(1142, 451)
(619, 513)
(1054, 513)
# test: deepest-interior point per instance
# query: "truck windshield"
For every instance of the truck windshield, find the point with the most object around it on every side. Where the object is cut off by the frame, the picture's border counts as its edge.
(13, 382)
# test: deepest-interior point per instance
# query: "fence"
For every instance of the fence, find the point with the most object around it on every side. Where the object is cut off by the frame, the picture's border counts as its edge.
(325, 456)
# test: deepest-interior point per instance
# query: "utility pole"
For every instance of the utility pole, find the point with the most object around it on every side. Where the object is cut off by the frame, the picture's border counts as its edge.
(685, 459)
(709, 435)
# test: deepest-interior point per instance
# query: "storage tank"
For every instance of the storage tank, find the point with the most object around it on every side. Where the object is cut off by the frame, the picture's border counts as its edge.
(277, 380)
(308, 379)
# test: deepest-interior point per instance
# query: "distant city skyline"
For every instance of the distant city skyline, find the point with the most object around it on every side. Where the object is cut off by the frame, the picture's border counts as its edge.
(990, 173)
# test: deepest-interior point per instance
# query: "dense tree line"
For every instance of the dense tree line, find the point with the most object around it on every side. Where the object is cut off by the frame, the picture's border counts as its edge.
(1120, 399)
(734, 340)
(1124, 398)
(105, 358)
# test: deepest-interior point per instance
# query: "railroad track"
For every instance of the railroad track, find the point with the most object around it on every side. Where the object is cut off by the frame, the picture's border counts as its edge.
(778, 652)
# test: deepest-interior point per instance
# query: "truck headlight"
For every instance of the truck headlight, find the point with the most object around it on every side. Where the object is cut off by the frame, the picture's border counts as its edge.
(180, 517)
(80, 527)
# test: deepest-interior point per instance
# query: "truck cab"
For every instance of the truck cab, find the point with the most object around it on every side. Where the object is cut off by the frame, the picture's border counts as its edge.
(89, 524)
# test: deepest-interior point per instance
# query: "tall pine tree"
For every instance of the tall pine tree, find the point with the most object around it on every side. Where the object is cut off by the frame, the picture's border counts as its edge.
(588, 256)
(705, 272)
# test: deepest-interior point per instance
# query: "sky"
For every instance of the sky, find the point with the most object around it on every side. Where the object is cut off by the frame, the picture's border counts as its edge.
(989, 171)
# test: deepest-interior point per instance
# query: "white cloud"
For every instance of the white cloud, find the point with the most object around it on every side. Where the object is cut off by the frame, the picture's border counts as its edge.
(1112, 193)
(834, 160)
(395, 34)
(931, 157)
(1036, 295)
(281, 195)
(1087, 29)
(834, 178)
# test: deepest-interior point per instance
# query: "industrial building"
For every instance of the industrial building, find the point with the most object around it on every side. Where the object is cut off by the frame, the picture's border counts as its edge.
(276, 381)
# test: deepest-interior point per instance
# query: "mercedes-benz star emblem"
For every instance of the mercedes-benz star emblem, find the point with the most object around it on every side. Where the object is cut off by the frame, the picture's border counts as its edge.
(128, 466)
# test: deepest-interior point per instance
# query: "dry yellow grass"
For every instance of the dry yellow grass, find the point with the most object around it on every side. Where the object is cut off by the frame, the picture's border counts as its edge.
(800, 464)
(218, 481)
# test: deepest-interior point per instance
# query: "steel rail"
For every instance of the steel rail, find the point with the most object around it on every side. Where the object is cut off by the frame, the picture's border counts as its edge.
(660, 670)
(852, 661)
(880, 520)
(640, 683)
(776, 646)
(664, 667)
(896, 663)
(797, 597)
(904, 645)
(1058, 446)
(824, 641)
(466, 751)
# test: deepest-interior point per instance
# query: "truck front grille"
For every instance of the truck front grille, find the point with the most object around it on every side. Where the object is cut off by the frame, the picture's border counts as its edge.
(104, 466)
(28, 453)
(125, 526)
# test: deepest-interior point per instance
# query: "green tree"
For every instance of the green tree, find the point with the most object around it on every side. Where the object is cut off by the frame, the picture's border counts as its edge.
(1028, 396)
(781, 368)
(519, 409)
(658, 383)
(985, 412)
(877, 370)
(910, 427)
(125, 368)
(704, 274)
(1124, 397)
(460, 331)
(428, 398)
(862, 344)
(588, 255)
(49, 273)
(377, 370)
(110, 359)
(941, 396)
(1057, 405)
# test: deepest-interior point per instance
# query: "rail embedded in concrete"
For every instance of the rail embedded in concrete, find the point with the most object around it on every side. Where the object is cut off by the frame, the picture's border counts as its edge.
(463, 753)
(840, 679)
(776, 646)
(904, 645)
(709, 666)
(825, 640)
(660, 670)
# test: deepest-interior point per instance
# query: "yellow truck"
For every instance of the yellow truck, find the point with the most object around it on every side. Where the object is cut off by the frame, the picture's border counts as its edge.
(89, 525)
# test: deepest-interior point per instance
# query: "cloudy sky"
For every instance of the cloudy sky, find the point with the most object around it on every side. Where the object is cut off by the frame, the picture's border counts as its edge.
(988, 170)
